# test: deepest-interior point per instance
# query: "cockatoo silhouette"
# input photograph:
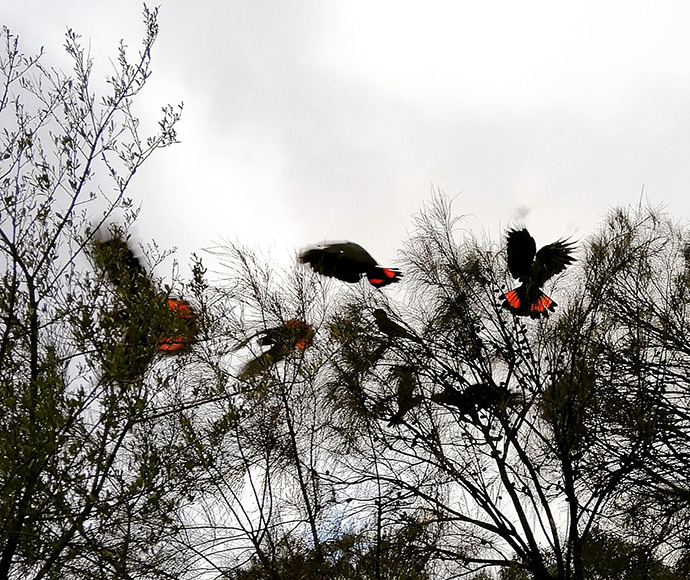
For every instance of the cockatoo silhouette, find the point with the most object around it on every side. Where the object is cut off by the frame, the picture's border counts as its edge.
(391, 328)
(148, 311)
(533, 269)
(347, 261)
(283, 340)
(405, 393)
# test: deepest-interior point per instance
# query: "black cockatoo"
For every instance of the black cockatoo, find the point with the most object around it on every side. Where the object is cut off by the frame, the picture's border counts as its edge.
(405, 393)
(294, 334)
(533, 269)
(477, 396)
(392, 328)
(170, 322)
(283, 340)
(347, 261)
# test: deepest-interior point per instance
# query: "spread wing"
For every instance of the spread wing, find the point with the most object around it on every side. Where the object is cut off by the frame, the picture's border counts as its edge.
(328, 263)
(344, 260)
(521, 250)
(294, 334)
(552, 260)
(353, 251)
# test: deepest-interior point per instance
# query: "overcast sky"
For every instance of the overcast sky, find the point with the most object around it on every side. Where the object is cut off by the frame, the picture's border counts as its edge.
(307, 120)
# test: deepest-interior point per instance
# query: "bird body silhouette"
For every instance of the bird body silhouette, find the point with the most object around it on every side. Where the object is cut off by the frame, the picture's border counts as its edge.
(283, 339)
(391, 328)
(148, 313)
(477, 396)
(405, 393)
(294, 334)
(533, 269)
(121, 266)
(347, 261)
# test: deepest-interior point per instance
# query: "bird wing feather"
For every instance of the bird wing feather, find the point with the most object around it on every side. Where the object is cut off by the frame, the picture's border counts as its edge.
(551, 260)
(344, 260)
(521, 250)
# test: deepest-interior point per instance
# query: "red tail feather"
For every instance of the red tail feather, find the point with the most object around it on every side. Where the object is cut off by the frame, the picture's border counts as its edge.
(175, 344)
(380, 277)
(542, 305)
(513, 299)
(517, 303)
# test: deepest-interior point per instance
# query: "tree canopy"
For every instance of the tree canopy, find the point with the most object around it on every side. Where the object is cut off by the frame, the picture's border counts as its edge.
(275, 422)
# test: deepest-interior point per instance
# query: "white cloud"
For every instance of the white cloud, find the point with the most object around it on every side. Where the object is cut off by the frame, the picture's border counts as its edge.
(310, 120)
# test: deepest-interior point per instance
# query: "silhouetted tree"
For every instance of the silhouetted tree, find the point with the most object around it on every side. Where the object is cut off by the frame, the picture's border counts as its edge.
(519, 443)
(90, 485)
(321, 425)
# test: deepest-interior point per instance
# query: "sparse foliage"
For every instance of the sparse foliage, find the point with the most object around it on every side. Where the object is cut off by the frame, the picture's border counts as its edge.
(89, 485)
(518, 445)
(318, 428)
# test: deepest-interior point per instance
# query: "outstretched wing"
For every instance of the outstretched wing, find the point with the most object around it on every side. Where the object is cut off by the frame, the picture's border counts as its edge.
(328, 264)
(352, 251)
(552, 260)
(521, 250)
(285, 339)
(344, 260)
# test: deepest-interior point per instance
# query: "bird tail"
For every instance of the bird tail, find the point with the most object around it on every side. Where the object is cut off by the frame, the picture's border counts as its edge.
(519, 304)
(380, 277)
(186, 323)
(302, 333)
